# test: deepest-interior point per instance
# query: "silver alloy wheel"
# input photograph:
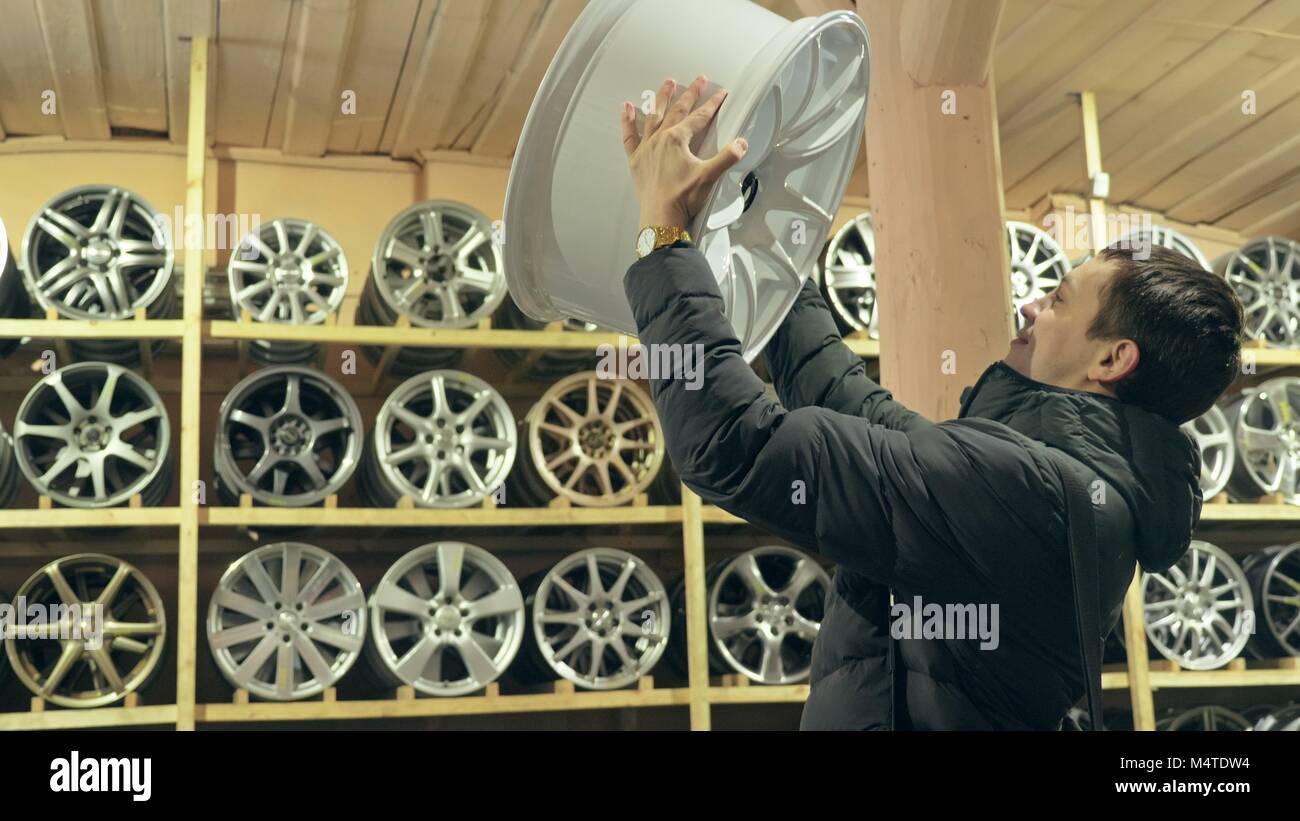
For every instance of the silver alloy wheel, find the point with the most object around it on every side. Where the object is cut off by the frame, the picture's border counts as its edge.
(103, 638)
(1199, 612)
(287, 436)
(286, 621)
(97, 252)
(601, 618)
(445, 439)
(1278, 597)
(1038, 264)
(849, 275)
(1209, 718)
(447, 619)
(1265, 273)
(1266, 429)
(1218, 450)
(1165, 237)
(94, 434)
(764, 613)
(595, 441)
(437, 264)
(10, 473)
(288, 271)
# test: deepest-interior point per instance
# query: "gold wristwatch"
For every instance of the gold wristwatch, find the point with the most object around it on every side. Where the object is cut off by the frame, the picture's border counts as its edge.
(653, 238)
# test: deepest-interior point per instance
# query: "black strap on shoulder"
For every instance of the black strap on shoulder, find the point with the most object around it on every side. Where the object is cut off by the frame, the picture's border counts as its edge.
(1081, 528)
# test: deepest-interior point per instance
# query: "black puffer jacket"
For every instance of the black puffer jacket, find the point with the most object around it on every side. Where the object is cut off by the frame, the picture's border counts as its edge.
(967, 511)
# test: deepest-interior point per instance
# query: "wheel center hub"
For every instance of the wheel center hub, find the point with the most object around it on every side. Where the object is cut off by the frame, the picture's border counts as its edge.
(288, 619)
(91, 435)
(602, 619)
(447, 617)
(289, 272)
(596, 439)
(439, 267)
(100, 252)
(290, 435)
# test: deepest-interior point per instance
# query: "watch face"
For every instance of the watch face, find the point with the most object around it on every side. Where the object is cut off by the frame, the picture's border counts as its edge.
(645, 243)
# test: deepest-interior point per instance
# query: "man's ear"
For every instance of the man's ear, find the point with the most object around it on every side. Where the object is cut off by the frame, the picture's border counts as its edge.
(1116, 361)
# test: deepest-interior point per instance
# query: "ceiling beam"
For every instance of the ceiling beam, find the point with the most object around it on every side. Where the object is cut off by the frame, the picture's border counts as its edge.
(503, 127)
(72, 47)
(310, 78)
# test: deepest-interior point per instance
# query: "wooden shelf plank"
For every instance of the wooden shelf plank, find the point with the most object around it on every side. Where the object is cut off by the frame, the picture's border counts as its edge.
(426, 707)
(760, 694)
(414, 337)
(1250, 513)
(1250, 677)
(52, 719)
(442, 338)
(425, 517)
(92, 329)
(66, 517)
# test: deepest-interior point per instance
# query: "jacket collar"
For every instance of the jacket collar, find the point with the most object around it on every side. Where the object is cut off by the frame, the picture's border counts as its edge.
(1147, 459)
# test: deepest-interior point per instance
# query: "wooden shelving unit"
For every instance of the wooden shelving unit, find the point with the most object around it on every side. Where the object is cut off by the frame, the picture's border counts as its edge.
(190, 520)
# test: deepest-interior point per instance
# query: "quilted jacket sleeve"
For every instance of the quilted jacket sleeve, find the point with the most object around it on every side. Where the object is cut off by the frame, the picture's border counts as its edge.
(811, 366)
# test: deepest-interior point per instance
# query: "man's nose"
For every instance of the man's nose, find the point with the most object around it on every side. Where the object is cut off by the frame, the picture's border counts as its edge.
(1030, 311)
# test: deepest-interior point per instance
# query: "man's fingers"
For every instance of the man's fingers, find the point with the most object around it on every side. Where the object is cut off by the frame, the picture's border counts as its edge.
(702, 116)
(654, 118)
(630, 138)
(685, 103)
(725, 159)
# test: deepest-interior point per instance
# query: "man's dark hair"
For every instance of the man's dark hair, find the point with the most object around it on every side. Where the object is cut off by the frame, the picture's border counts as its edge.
(1186, 321)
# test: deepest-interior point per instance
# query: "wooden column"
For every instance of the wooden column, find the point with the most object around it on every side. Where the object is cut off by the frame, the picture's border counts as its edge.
(936, 198)
(697, 631)
(1097, 233)
(191, 386)
(1139, 667)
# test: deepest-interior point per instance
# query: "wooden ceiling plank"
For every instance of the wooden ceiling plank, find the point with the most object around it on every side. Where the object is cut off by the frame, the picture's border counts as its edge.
(250, 50)
(1033, 41)
(500, 133)
(408, 75)
(371, 70)
(1029, 146)
(1088, 49)
(440, 75)
(68, 29)
(1217, 70)
(24, 71)
(510, 25)
(1273, 212)
(131, 48)
(311, 78)
(183, 19)
(1226, 175)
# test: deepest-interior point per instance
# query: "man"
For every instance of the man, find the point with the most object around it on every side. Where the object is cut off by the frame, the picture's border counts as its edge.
(968, 511)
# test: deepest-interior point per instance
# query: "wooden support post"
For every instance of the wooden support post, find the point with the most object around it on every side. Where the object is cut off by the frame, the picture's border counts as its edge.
(146, 349)
(936, 198)
(697, 635)
(191, 387)
(1139, 671)
(1097, 229)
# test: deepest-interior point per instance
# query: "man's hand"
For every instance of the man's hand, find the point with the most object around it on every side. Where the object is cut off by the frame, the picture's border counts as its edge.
(671, 182)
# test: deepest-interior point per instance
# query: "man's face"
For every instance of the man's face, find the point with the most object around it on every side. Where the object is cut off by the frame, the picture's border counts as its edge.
(1054, 347)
